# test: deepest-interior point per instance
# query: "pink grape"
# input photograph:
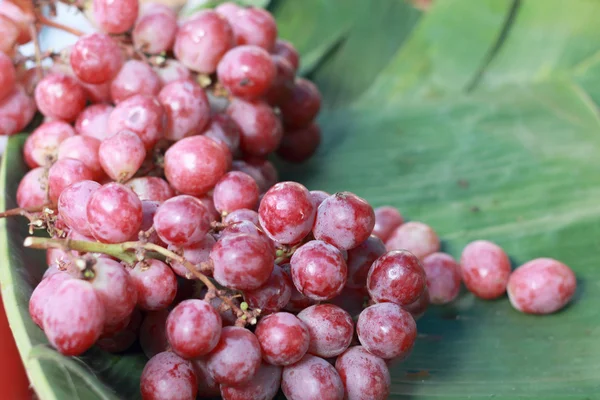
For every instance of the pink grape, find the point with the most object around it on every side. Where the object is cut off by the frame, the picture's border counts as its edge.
(224, 129)
(443, 277)
(22, 19)
(283, 82)
(249, 228)
(418, 307)
(283, 338)
(287, 213)
(155, 283)
(273, 296)
(330, 328)
(312, 378)
(182, 220)
(153, 333)
(207, 387)
(97, 93)
(141, 114)
(134, 78)
(253, 26)
(360, 260)
(96, 58)
(171, 71)
(241, 214)
(263, 171)
(121, 155)
(344, 220)
(234, 191)
(41, 147)
(365, 376)
(287, 50)
(202, 41)
(318, 196)
(42, 293)
(541, 286)
(93, 121)
(485, 269)
(387, 219)
(263, 386)
(194, 165)
(9, 32)
(84, 149)
(193, 328)
(237, 357)
(115, 16)
(8, 76)
(186, 107)
(416, 237)
(299, 145)
(318, 270)
(196, 254)
(151, 188)
(168, 376)
(72, 205)
(154, 32)
(31, 192)
(302, 106)
(16, 111)
(123, 339)
(114, 213)
(386, 330)
(73, 317)
(397, 277)
(242, 261)
(260, 128)
(246, 71)
(60, 96)
(64, 173)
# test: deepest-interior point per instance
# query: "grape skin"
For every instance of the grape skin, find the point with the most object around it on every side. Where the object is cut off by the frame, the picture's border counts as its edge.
(252, 26)
(418, 307)
(171, 71)
(72, 205)
(312, 378)
(96, 58)
(416, 237)
(242, 214)
(20, 18)
(263, 386)
(246, 71)
(299, 145)
(41, 147)
(155, 31)
(387, 219)
(261, 129)
(115, 16)
(155, 284)
(186, 107)
(249, 228)
(273, 296)
(287, 50)
(31, 191)
(141, 114)
(224, 129)
(331, 329)
(485, 269)
(42, 293)
(121, 155)
(443, 277)
(8, 76)
(124, 339)
(263, 171)
(283, 338)
(234, 191)
(9, 32)
(84, 149)
(151, 188)
(182, 221)
(360, 260)
(134, 78)
(365, 376)
(16, 111)
(168, 376)
(60, 96)
(302, 106)
(93, 121)
(64, 173)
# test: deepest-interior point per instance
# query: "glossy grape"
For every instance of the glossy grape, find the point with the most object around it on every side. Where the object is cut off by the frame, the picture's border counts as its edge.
(330, 328)
(283, 81)
(443, 277)
(299, 145)
(93, 121)
(246, 71)
(32, 189)
(140, 114)
(16, 111)
(84, 149)
(416, 237)
(360, 260)
(151, 188)
(251, 229)
(485, 269)
(168, 376)
(121, 155)
(312, 378)
(155, 31)
(186, 107)
(41, 147)
(224, 129)
(261, 129)
(302, 106)
(263, 386)
(60, 96)
(155, 284)
(253, 26)
(234, 191)
(387, 219)
(96, 58)
(63, 173)
(283, 338)
(364, 375)
(182, 221)
(115, 16)
(72, 205)
(287, 50)
(273, 296)
(134, 78)
(263, 171)
(171, 71)
(42, 293)
(242, 214)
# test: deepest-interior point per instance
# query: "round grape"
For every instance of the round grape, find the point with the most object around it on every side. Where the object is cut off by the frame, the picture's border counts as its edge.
(283, 82)
(302, 106)
(168, 376)
(312, 378)
(249, 228)
(64, 173)
(485, 269)
(242, 214)
(31, 192)
(182, 221)
(273, 295)
(22, 19)
(418, 307)
(186, 107)
(350, 300)
(155, 283)
(260, 128)
(283, 338)
(72, 205)
(443, 278)
(246, 71)
(330, 328)
(263, 386)
(263, 171)
(387, 219)
(9, 32)
(140, 114)
(234, 191)
(97, 93)
(253, 26)
(41, 147)
(155, 31)
(93, 121)
(151, 188)
(416, 237)
(224, 129)
(360, 260)
(299, 145)
(8, 76)
(171, 71)
(115, 16)
(16, 111)
(364, 375)
(96, 58)
(121, 155)
(60, 96)
(134, 78)
(84, 149)
(287, 50)
(42, 293)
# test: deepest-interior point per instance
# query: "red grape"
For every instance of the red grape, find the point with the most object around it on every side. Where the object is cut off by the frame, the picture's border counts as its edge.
(318, 197)
(31, 192)
(253, 26)
(365, 376)
(72, 205)
(299, 145)
(196, 254)
(9, 32)
(263, 171)
(151, 188)
(140, 114)
(121, 155)
(273, 295)
(246, 71)
(155, 283)
(207, 387)
(41, 147)
(182, 221)
(84, 149)
(485, 269)
(330, 327)
(387, 219)
(283, 338)
(42, 293)
(416, 237)
(96, 58)
(312, 378)
(386, 330)
(171, 71)
(64, 173)
(283, 82)
(153, 333)
(115, 16)
(234, 191)
(443, 277)
(16, 111)
(155, 31)
(134, 78)
(224, 129)
(8, 76)
(186, 107)
(60, 96)
(263, 386)
(97, 93)
(260, 128)
(287, 50)
(93, 121)
(241, 214)
(22, 19)
(249, 228)
(302, 106)
(168, 376)
(360, 260)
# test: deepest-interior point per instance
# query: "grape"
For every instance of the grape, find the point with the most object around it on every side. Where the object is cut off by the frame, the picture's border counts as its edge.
(298, 301)
(386, 330)
(124, 339)
(253, 26)
(121, 155)
(134, 78)
(246, 71)
(202, 41)
(171, 71)
(186, 107)
(350, 300)
(154, 32)
(97, 93)
(114, 213)
(84, 149)
(330, 328)
(31, 192)
(60, 96)
(312, 378)
(224, 129)
(8, 76)
(116, 291)
(541, 286)
(42, 293)
(155, 283)
(93, 121)
(20, 18)
(194, 165)
(283, 338)
(365, 376)
(263, 172)
(115, 16)
(318, 270)
(151, 188)
(273, 295)
(41, 147)
(263, 386)
(96, 58)
(235, 190)
(287, 50)
(168, 376)
(182, 220)
(260, 128)
(299, 145)
(344, 220)
(140, 114)
(236, 359)
(287, 212)
(302, 106)
(241, 214)
(418, 307)
(249, 228)
(73, 317)
(242, 261)
(193, 328)
(72, 205)
(397, 277)
(283, 82)
(485, 269)
(318, 196)
(16, 111)
(416, 237)
(153, 333)
(360, 260)
(207, 387)
(443, 277)
(210, 206)
(9, 32)
(387, 219)
(64, 173)
(196, 254)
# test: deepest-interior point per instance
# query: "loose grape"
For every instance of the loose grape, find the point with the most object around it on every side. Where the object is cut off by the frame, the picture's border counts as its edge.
(141, 114)
(263, 386)
(387, 219)
(96, 58)
(330, 328)
(283, 338)
(151, 188)
(115, 16)
(397, 277)
(155, 283)
(41, 147)
(302, 106)
(93, 121)
(72, 205)
(16, 111)
(299, 145)
(64, 173)
(196, 254)
(253, 26)
(186, 107)
(312, 378)
(134, 78)
(121, 155)
(360, 260)
(31, 192)
(8, 76)
(153, 333)
(260, 128)
(246, 71)
(443, 277)
(365, 376)
(235, 190)
(273, 295)
(485, 269)
(182, 221)
(60, 96)
(287, 50)
(416, 237)
(168, 376)
(42, 293)
(154, 32)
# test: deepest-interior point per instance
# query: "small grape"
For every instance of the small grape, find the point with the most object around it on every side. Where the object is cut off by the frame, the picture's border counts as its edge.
(155, 31)
(121, 155)
(134, 78)
(84, 149)
(186, 107)
(418, 307)
(312, 378)
(168, 376)
(224, 129)
(386, 330)
(302, 106)
(16, 111)
(9, 32)
(153, 333)
(41, 147)
(22, 19)
(263, 386)
(236, 359)
(42, 293)
(246, 71)
(416, 237)
(287, 50)
(260, 128)
(365, 376)
(171, 71)
(196, 254)
(73, 317)
(344, 220)
(360, 260)
(155, 283)
(253, 26)
(64, 173)
(8, 76)
(330, 328)
(397, 277)
(299, 145)
(318, 270)
(273, 295)
(31, 192)
(72, 205)
(263, 171)
(182, 221)
(387, 219)
(541, 286)
(234, 191)
(115, 16)
(283, 338)
(485, 269)
(207, 387)
(114, 213)
(93, 121)
(151, 188)
(124, 339)
(443, 278)
(141, 114)
(60, 96)
(96, 58)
